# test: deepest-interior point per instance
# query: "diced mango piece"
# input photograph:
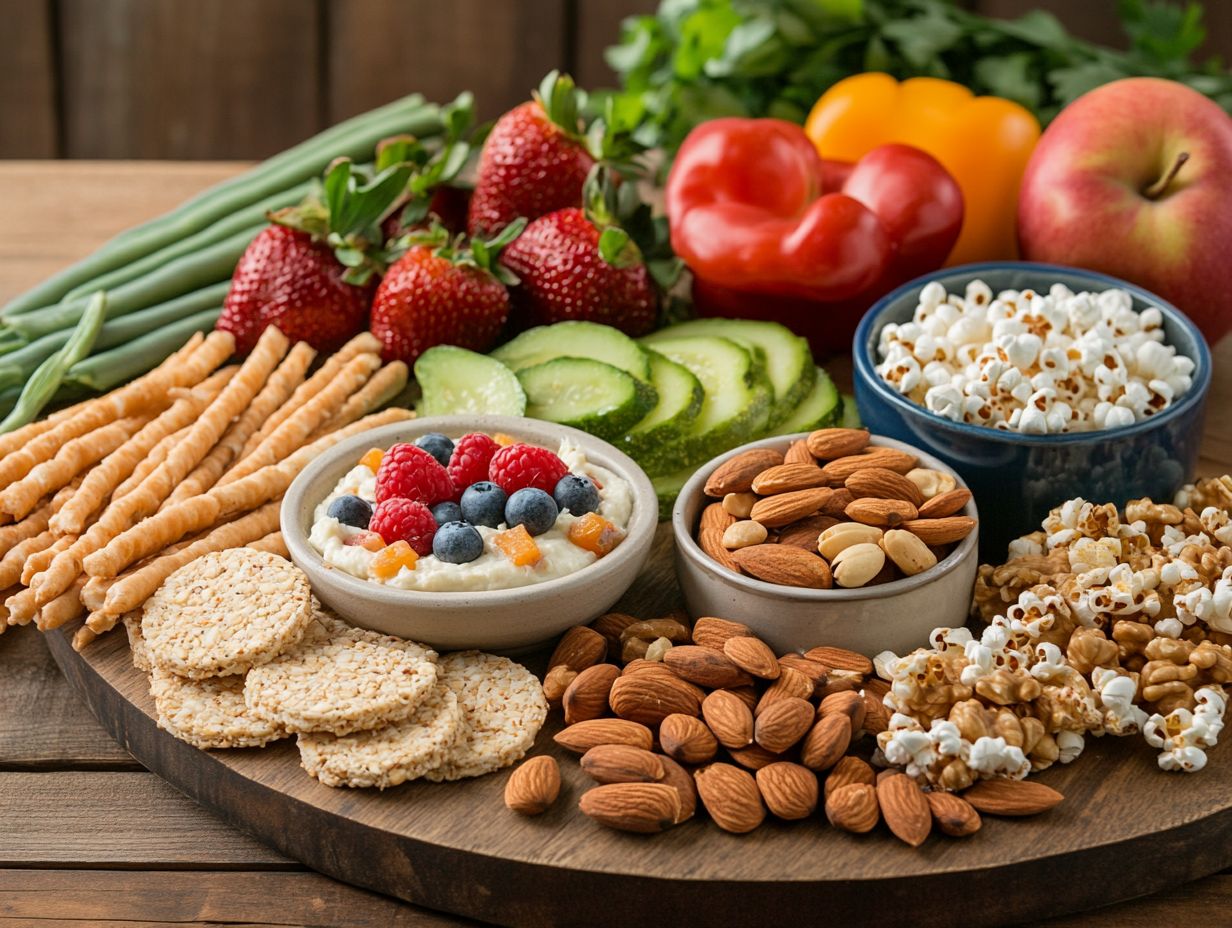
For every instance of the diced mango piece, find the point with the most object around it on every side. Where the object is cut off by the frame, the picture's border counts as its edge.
(595, 534)
(504, 440)
(389, 561)
(370, 540)
(517, 545)
(372, 459)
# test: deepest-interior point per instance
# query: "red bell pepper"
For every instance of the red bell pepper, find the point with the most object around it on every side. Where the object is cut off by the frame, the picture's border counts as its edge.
(767, 226)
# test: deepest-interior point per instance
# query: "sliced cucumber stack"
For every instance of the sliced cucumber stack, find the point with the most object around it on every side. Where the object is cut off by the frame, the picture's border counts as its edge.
(680, 400)
(818, 410)
(456, 381)
(667, 487)
(850, 419)
(575, 340)
(586, 394)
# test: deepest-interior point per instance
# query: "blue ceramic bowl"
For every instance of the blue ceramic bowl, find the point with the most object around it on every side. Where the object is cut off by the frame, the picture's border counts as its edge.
(1016, 478)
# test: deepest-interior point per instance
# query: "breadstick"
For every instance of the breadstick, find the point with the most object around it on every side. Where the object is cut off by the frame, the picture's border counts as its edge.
(82, 637)
(38, 561)
(157, 455)
(18, 499)
(382, 387)
(364, 343)
(296, 428)
(273, 543)
(277, 390)
(94, 591)
(33, 524)
(11, 563)
(136, 587)
(194, 514)
(64, 608)
(21, 607)
(14, 440)
(103, 479)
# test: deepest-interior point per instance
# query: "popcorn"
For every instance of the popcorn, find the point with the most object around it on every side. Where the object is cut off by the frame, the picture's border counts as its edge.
(1183, 735)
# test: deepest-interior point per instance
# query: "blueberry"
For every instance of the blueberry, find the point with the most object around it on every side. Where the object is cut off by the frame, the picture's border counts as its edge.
(457, 543)
(447, 511)
(577, 494)
(350, 510)
(483, 503)
(437, 445)
(532, 508)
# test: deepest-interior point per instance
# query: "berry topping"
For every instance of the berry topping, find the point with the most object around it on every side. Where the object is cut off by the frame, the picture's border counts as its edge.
(389, 561)
(411, 472)
(532, 508)
(457, 543)
(517, 545)
(595, 533)
(399, 519)
(469, 462)
(483, 503)
(577, 494)
(350, 510)
(518, 466)
(437, 445)
(447, 511)
(372, 459)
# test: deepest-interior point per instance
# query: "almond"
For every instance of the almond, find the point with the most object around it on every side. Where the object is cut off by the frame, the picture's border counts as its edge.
(620, 763)
(940, 531)
(705, 667)
(945, 504)
(887, 773)
(646, 808)
(752, 655)
(836, 503)
(610, 627)
(884, 483)
(782, 724)
(840, 659)
(908, 552)
(709, 632)
(580, 647)
(555, 682)
(649, 697)
(715, 517)
(804, 533)
(842, 535)
(791, 684)
(850, 704)
(710, 540)
(533, 786)
(849, 770)
(1012, 797)
(586, 697)
(876, 715)
(876, 687)
(729, 719)
(837, 471)
(798, 453)
(815, 671)
(836, 684)
(746, 694)
(789, 790)
(739, 504)
(785, 508)
(583, 736)
(826, 742)
(680, 780)
(853, 808)
(785, 566)
(735, 475)
(687, 739)
(731, 797)
(784, 478)
(754, 757)
(828, 444)
(905, 809)
(883, 512)
(954, 815)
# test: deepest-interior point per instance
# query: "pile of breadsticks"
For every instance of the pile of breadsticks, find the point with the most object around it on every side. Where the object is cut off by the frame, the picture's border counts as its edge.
(100, 502)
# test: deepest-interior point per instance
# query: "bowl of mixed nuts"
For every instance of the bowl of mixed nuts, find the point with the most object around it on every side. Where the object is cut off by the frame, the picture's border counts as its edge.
(833, 535)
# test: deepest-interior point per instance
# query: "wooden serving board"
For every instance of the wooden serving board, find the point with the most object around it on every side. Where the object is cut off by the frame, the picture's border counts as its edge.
(1126, 829)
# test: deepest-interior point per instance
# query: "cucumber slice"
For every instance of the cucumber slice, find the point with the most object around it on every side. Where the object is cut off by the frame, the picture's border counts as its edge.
(455, 381)
(788, 360)
(680, 401)
(736, 404)
(850, 418)
(667, 488)
(819, 410)
(575, 340)
(588, 395)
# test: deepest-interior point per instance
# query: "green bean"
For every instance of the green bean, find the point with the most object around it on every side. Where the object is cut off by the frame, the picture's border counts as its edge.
(46, 379)
(103, 371)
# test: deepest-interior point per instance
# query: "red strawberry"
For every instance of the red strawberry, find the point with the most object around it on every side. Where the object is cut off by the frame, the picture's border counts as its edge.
(534, 161)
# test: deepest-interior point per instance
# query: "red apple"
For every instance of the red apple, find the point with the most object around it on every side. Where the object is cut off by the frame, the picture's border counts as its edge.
(1135, 179)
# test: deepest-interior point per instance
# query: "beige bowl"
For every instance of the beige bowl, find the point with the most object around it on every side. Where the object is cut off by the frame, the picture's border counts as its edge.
(499, 620)
(896, 616)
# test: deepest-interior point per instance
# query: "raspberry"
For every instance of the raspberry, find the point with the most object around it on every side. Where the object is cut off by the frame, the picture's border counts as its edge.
(519, 466)
(406, 520)
(469, 462)
(411, 472)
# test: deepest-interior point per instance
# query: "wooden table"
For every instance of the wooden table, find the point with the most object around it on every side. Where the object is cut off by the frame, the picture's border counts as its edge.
(87, 836)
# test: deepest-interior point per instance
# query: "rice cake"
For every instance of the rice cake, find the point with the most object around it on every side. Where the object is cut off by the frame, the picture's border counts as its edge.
(209, 713)
(136, 644)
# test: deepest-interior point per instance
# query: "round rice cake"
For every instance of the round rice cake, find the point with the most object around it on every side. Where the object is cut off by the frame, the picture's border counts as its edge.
(209, 713)
(226, 612)
(386, 756)
(503, 708)
(136, 644)
(353, 680)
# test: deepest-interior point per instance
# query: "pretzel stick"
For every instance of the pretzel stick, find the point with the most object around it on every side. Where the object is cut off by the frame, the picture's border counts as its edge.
(103, 479)
(39, 560)
(364, 343)
(4, 612)
(11, 563)
(157, 455)
(82, 637)
(194, 514)
(296, 428)
(14, 440)
(94, 591)
(382, 387)
(21, 607)
(275, 393)
(64, 608)
(273, 543)
(34, 524)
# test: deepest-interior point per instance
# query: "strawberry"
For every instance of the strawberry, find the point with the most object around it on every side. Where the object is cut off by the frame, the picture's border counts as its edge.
(534, 160)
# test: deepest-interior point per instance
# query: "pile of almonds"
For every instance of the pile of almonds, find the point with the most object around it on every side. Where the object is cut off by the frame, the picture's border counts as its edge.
(834, 509)
(710, 713)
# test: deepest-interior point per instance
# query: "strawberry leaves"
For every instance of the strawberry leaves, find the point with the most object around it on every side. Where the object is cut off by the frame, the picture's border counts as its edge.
(479, 253)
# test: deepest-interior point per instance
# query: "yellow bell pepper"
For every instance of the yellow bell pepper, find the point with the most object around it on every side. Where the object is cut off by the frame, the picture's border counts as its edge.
(984, 142)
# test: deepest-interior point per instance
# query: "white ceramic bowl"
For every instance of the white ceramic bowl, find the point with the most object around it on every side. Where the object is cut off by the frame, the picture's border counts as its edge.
(498, 620)
(896, 616)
